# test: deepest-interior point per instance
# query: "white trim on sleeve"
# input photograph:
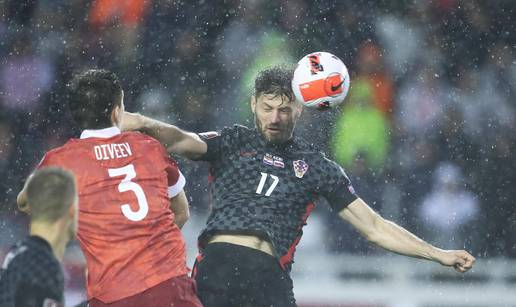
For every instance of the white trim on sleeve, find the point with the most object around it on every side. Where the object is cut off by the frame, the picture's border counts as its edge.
(178, 187)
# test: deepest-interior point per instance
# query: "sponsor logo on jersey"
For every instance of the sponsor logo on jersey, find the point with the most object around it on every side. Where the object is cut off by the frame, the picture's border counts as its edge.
(273, 160)
(267, 159)
(300, 168)
(279, 164)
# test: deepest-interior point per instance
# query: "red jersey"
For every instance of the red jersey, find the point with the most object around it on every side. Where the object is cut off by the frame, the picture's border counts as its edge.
(126, 227)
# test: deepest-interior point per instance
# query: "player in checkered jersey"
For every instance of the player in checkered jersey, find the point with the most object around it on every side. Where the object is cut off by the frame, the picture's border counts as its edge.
(264, 183)
(132, 203)
(31, 274)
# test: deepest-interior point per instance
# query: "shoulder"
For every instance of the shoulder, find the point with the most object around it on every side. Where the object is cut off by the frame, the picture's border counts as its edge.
(61, 154)
(31, 267)
(27, 256)
(302, 147)
(305, 146)
(58, 151)
(236, 130)
(229, 134)
(327, 166)
(56, 155)
(16, 257)
(241, 128)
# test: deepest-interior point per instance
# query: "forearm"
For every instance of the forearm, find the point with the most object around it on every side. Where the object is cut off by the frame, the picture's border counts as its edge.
(176, 140)
(180, 208)
(386, 234)
(395, 238)
(165, 133)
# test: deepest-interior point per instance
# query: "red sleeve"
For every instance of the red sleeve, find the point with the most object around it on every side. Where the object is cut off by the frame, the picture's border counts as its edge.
(176, 180)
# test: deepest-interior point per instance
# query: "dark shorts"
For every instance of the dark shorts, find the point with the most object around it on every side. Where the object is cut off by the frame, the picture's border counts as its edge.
(238, 276)
(175, 292)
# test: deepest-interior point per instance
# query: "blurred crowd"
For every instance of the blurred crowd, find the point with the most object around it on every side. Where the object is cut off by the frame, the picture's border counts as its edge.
(427, 133)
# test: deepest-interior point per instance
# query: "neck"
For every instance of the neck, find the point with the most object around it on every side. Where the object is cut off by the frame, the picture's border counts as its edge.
(54, 234)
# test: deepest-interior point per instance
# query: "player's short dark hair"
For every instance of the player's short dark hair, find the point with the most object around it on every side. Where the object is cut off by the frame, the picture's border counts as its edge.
(93, 95)
(276, 80)
(50, 193)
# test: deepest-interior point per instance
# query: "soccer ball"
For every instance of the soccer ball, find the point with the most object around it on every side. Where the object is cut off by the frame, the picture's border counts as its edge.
(320, 81)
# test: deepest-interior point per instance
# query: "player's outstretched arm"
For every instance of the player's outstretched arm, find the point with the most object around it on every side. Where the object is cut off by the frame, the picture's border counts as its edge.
(395, 238)
(177, 141)
(179, 205)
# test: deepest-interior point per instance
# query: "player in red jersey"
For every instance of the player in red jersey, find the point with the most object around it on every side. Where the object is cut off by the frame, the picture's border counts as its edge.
(130, 194)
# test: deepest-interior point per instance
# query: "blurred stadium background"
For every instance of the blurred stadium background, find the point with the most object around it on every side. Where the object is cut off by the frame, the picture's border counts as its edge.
(427, 134)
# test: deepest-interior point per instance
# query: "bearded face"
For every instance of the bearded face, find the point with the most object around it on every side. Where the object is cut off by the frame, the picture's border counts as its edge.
(275, 117)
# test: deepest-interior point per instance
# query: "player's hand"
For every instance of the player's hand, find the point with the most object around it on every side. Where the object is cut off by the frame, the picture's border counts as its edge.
(131, 121)
(461, 260)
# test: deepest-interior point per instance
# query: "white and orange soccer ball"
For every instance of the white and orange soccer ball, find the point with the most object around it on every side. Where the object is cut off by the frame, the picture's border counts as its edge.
(321, 80)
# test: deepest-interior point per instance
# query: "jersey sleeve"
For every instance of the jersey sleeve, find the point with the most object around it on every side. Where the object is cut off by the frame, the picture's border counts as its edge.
(46, 161)
(336, 186)
(219, 142)
(28, 283)
(175, 179)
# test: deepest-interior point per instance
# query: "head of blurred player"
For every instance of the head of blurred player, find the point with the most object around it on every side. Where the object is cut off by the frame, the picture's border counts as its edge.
(96, 99)
(274, 106)
(52, 197)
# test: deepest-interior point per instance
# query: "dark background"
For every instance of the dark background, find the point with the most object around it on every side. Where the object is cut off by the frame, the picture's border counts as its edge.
(433, 81)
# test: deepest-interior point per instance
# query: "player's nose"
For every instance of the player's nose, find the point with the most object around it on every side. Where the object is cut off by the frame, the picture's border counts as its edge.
(275, 117)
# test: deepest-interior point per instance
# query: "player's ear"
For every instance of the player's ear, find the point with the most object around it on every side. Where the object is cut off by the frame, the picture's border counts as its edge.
(253, 104)
(73, 210)
(299, 108)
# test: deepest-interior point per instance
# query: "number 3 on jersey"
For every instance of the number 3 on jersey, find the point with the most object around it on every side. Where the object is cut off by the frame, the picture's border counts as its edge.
(127, 185)
(259, 189)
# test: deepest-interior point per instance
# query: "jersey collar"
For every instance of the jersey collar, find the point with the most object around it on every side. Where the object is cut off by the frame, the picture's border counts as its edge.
(100, 133)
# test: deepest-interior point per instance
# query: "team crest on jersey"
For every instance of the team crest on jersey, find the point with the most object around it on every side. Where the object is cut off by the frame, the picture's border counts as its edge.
(273, 160)
(300, 168)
